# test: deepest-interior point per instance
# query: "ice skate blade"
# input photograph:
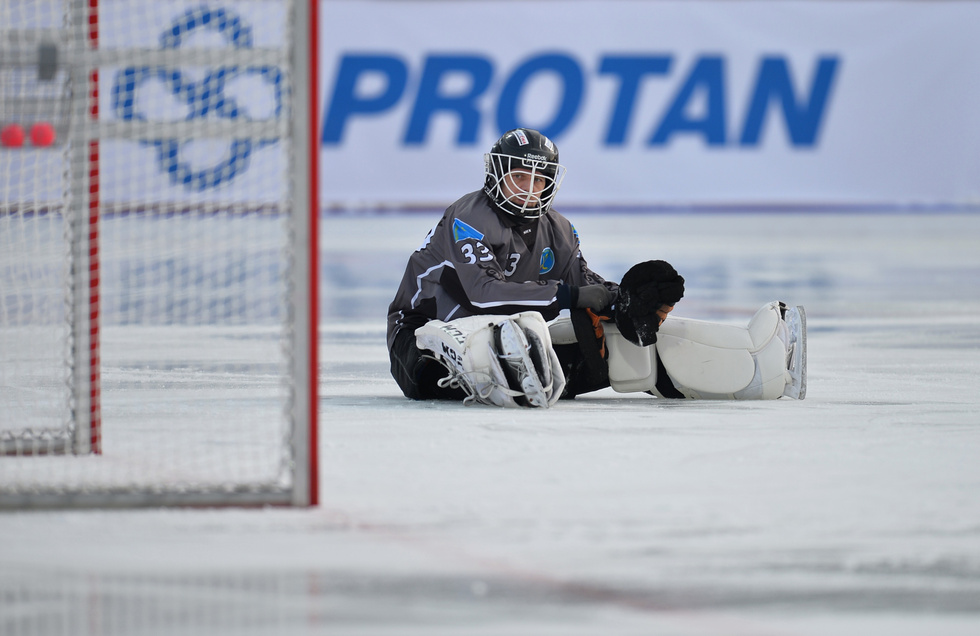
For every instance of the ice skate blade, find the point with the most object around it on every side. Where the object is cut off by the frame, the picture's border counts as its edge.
(795, 318)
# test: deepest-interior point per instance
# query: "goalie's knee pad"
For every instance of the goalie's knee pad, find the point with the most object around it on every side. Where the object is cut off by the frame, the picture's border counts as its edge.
(499, 360)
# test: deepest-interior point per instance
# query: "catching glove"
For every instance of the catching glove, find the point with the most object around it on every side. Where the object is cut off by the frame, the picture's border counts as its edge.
(646, 289)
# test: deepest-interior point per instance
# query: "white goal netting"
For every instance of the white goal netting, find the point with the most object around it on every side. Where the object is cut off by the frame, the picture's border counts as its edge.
(156, 238)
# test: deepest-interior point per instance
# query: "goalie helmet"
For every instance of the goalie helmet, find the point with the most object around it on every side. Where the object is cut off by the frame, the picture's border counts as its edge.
(522, 173)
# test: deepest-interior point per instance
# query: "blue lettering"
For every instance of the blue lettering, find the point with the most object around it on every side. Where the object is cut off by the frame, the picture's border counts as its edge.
(708, 77)
(803, 120)
(429, 100)
(630, 70)
(573, 82)
(346, 102)
(459, 86)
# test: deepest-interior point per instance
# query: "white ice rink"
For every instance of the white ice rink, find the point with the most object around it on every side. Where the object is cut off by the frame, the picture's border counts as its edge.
(856, 511)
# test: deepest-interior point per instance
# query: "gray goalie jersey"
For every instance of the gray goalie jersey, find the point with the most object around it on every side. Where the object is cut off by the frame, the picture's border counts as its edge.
(479, 261)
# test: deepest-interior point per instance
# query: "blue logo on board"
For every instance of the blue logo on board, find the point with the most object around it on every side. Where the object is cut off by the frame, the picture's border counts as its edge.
(201, 99)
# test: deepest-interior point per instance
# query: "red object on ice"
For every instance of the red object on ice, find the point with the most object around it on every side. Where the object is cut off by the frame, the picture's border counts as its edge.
(12, 136)
(42, 134)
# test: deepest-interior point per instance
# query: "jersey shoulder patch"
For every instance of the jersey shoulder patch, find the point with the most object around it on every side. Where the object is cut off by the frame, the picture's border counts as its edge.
(547, 261)
(462, 231)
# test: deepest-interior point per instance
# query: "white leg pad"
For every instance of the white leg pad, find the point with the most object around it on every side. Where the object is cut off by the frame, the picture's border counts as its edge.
(632, 369)
(468, 349)
(711, 360)
(707, 360)
(704, 360)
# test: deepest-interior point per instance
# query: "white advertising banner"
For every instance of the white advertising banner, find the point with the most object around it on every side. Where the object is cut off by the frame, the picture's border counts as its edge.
(656, 103)
(651, 103)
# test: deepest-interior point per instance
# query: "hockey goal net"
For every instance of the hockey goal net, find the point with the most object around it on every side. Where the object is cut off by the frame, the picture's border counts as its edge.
(157, 253)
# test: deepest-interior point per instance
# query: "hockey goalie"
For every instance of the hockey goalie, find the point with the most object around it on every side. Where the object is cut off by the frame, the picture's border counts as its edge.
(498, 306)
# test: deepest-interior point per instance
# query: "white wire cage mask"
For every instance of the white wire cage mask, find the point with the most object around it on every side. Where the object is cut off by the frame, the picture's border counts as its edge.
(508, 193)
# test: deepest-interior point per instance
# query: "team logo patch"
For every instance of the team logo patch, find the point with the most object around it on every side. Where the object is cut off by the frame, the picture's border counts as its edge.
(521, 137)
(462, 231)
(547, 261)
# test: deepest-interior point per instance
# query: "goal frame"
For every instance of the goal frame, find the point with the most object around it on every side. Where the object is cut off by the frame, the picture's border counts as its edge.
(84, 279)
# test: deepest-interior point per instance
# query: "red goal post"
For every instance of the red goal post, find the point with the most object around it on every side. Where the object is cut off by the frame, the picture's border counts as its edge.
(158, 253)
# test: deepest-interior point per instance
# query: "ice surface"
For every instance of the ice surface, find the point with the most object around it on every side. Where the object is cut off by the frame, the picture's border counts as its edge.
(855, 511)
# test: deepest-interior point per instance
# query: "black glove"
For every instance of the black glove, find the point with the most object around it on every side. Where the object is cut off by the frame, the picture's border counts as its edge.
(653, 284)
(594, 297)
(645, 289)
